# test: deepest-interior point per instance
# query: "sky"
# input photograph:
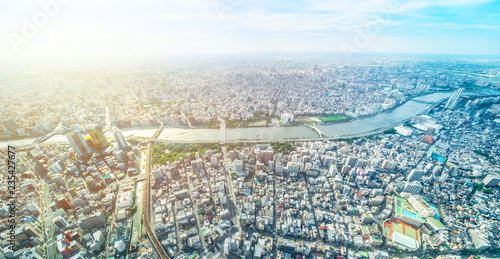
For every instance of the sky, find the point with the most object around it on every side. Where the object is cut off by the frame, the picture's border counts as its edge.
(79, 29)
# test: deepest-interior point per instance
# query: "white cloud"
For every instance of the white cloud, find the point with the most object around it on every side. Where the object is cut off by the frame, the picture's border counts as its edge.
(462, 26)
(178, 17)
(304, 22)
(371, 6)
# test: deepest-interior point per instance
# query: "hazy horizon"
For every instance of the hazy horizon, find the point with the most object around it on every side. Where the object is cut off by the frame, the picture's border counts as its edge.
(50, 30)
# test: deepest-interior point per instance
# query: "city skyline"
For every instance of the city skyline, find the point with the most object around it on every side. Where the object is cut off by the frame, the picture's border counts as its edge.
(200, 129)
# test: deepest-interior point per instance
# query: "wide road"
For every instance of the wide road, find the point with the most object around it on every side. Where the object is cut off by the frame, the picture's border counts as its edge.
(147, 202)
(48, 217)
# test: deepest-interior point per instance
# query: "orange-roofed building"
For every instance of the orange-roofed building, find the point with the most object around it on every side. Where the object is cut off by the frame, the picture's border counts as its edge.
(428, 139)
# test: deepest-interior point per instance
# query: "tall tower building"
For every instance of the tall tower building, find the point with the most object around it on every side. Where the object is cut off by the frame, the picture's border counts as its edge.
(37, 166)
(120, 140)
(97, 135)
(439, 239)
(351, 161)
(491, 180)
(78, 143)
(415, 175)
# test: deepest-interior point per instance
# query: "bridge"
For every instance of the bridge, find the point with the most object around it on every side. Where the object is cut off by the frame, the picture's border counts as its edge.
(59, 129)
(421, 101)
(223, 133)
(434, 105)
(158, 131)
(320, 133)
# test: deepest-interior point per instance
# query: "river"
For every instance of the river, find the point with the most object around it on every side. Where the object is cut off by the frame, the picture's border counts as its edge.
(405, 111)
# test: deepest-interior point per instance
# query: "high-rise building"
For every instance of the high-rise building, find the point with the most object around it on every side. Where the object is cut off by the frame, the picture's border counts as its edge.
(491, 180)
(346, 169)
(10, 124)
(57, 167)
(120, 140)
(453, 101)
(97, 135)
(385, 164)
(439, 239)
(120, 155)
(267, 156)
(37, 166)
(78, 143)
(479, 239)
(238, 165)
(360, 163)
(392, 165)
(413, 187)
(443, 177)
(351, 161)
(60, 222)
(414, 175)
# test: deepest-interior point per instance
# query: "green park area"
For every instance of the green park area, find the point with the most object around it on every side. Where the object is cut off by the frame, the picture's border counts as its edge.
(284, 147)
(170, 152)
(334, 118)
(279, 147)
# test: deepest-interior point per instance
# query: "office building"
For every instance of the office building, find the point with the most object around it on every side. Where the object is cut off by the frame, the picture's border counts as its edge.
(120, 140)
(443, 177)
(491, 180)
(413, 187)
(439, 239)
(238, 165)
(120, 155)
(415, 175)
(78, 143)
(10, 124)
(345, 169)
(351, 161)
(37, 166)
(57, 167)
(97, 135)
(479, 239)
(60, 222)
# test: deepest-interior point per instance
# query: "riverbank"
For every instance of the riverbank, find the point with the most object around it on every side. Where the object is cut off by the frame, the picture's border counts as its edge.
(273, 133)
(429, 93)
(373, 114)
(21, 138)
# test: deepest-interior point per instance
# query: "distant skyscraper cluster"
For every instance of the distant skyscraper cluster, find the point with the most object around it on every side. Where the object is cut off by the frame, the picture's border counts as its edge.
(97, 140)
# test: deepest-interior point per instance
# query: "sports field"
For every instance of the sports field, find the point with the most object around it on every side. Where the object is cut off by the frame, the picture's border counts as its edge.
(400, 227)
(333, 118)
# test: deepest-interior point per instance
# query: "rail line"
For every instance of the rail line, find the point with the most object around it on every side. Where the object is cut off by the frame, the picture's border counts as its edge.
(147, 201)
